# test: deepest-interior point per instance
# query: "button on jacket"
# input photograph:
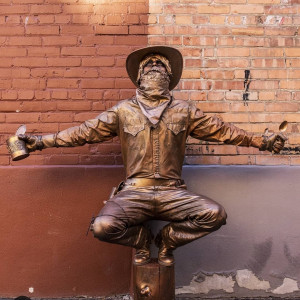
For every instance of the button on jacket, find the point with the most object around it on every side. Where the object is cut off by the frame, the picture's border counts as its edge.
(153, 151)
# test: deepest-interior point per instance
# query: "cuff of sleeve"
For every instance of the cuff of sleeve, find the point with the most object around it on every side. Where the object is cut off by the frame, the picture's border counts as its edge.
(257, 141)
(49, 140)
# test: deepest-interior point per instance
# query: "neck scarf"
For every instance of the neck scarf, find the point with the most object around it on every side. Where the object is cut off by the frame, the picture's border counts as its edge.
(153, 95)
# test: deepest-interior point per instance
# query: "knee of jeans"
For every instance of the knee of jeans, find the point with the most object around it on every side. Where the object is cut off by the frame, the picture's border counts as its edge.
(214, 217)
(106, 226)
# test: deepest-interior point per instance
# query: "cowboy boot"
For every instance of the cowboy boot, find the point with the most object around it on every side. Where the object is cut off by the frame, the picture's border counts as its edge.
(165, 252)
(142, 254)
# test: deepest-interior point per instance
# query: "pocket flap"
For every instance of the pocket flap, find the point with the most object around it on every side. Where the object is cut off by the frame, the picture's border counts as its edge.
(133, 129)
(176, 127)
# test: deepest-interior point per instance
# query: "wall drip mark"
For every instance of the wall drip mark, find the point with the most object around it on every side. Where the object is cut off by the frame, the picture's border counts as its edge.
(246, 86)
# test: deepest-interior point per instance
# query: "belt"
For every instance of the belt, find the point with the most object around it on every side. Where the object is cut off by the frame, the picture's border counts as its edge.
(153, 182)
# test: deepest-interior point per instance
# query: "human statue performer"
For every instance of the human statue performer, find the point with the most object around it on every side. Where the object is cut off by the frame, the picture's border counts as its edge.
(153, 127)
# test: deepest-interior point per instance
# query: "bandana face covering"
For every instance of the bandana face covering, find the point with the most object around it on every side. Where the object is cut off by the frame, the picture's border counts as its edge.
(153, 94)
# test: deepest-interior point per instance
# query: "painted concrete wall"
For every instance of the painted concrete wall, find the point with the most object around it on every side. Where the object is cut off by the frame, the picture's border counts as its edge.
(257, 253)
(45, 213)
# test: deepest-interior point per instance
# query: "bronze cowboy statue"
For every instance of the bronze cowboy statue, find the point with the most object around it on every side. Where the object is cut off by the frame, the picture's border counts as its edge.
(153, 127)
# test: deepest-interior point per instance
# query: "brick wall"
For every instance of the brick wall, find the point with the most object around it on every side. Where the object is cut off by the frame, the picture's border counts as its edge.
(220, 40)
(63, 61)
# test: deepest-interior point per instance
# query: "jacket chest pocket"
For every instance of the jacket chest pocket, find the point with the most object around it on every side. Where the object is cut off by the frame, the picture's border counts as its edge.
(176, 127)
(133, 129)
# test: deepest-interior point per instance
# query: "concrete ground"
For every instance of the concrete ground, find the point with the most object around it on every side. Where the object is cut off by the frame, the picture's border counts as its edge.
(128, 297)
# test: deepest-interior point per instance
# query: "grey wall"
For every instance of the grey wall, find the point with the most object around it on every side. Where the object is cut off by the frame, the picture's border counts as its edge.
(257, 253)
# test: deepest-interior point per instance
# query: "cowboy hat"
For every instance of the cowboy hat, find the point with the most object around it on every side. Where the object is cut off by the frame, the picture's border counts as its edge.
(172, 54)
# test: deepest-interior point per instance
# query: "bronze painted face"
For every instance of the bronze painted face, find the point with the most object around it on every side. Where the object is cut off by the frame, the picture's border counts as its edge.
(154, 64)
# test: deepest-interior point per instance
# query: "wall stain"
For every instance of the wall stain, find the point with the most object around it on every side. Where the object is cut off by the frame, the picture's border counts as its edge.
(261, 254)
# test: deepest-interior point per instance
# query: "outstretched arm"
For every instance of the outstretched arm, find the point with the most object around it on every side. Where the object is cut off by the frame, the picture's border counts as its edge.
(97, 130)
(211, 128)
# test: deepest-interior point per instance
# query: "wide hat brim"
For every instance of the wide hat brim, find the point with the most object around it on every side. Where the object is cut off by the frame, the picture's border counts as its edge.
(172, 54)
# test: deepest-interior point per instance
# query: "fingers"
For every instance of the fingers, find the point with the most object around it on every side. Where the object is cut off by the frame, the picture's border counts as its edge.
(278, 145)
(24, 137)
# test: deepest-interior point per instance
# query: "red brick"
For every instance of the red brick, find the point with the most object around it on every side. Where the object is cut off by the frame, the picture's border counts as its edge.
(235, 160)
(46, 19)
(9, 95)
(80, 19)
(98, 62)
(59, 94)
(4, 160)
(202, 160)
(247, 9)
(266, 95)
(62, 19)
(113, 72)
(97, 83)
(59, 40)
(78, 9)
(9, 106)
(81, 72)
(271, 63)
(281, 31)
(104, 9)
(11, 30)
(290, 84)
(219, 75)
(57, 117)
(77, 29)
(264, 85)
(81, 117)
(203, 41)
(105, 29)
(282, 107)
(30, 62)
(131, 40)
(250, 107)
(294, 52)
(42, 30)
(38, 106)
(73, 105)
(233, 52)
(213, 9)
(25, 95)
(43, 51)
(62, 83)
(45, 9)
(22, 117)
(24, 41)
(293, 63)
(42, 95)
(94, 94)
(47, 72)
(283, 95)
(229, 85)
(5, 83)
(15, 9)
(272, 160)
(248, 31)
(123, 83)
(64, 62)
(78, 95)
(104, 41)
(280, 10)
(78, 51)
(29, 83)
(138, 29)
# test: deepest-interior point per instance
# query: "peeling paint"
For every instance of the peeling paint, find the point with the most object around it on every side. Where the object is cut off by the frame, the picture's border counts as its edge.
(288, 286)
(246, 279)
(214, 282)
